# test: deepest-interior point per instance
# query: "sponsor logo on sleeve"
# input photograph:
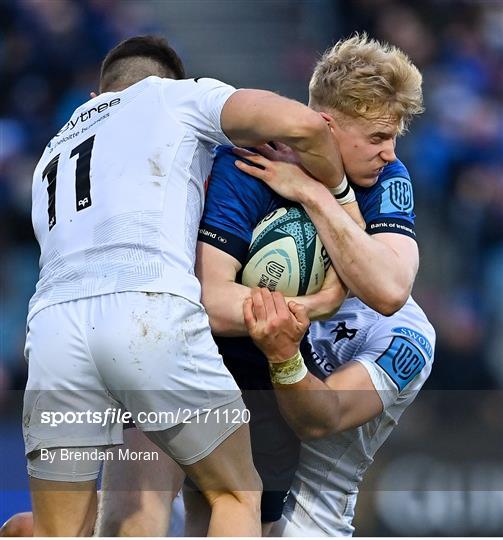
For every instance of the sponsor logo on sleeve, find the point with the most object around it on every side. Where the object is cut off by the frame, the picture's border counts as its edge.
(392, 225)
(417, 337)
(402, 361)
(397, 196)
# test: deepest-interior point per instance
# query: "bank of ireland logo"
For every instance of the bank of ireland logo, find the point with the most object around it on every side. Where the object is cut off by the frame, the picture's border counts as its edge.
(402, 361)
(397, 196)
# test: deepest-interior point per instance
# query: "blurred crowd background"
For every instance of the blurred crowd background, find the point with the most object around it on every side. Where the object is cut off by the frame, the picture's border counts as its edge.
(50, 52)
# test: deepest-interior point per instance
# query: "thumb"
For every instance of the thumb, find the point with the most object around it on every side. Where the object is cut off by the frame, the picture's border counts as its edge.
(299, 312)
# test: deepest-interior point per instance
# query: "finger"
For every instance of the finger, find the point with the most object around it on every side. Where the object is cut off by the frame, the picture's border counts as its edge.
(282, 147)
(299, 312)
(252, 170)
(243, 152)
(268, 303)
(252, 157)
(258, 305)
(249, 316)
(267, 151)
(280, 304)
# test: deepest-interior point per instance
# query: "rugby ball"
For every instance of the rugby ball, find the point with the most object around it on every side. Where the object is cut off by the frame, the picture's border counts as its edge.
(286, 254)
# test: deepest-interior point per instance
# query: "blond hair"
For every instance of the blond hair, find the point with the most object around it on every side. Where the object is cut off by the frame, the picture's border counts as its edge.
(362, 77)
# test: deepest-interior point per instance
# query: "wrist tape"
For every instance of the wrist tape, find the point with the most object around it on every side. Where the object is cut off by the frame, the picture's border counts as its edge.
(291, 371)
(343, 192)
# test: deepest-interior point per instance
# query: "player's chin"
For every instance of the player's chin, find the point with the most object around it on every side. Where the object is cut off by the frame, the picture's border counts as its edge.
(367, 180)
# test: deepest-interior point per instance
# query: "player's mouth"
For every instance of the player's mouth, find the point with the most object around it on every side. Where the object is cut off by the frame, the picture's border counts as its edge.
(374, 173)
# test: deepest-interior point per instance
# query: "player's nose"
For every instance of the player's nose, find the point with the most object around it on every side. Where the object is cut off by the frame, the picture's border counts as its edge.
(388, 151)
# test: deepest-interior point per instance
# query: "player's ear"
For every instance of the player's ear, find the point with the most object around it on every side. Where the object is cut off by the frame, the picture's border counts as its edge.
(328, 119)
(334, 124)
(93, 94)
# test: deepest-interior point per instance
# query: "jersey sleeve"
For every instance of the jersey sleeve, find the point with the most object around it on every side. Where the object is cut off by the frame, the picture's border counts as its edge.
(235, 203)
(388, 206)
(398, 360)
(200, 104)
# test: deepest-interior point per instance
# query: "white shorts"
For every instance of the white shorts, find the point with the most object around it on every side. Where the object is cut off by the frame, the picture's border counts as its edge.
(151, 355)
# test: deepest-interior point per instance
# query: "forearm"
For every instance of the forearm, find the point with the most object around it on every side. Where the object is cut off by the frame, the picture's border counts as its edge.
(253, 117)
(323, 304)
(371, 269)
(319, 155)
(310, 407)
(224, 305)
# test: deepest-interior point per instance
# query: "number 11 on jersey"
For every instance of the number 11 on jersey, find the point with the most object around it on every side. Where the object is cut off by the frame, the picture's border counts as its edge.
(82, 179)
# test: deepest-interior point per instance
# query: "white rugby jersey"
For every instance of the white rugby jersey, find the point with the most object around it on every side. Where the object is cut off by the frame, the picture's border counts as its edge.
(397, 351)
(119, 191)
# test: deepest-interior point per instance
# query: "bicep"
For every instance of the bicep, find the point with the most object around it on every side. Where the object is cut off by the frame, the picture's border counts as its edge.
(359, 401)
(239, 115)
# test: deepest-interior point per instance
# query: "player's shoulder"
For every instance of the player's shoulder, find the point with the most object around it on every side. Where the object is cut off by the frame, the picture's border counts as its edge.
(194, 85)
(398, 353)
(392, 193)
(224, 153)
(223, 164)
(396, 167)
(412, 323)
(224, 168)
(412, 341)
(395, 170)
(409, 323)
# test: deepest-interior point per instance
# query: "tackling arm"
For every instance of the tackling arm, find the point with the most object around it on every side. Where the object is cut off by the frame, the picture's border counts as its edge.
(253, 117)
(313, 408)
(316, 409)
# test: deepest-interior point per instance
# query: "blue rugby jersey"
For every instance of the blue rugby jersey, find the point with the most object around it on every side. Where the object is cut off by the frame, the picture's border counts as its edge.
(236, 202)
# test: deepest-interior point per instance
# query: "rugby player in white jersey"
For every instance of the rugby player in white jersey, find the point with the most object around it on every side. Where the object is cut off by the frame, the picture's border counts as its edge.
(116, 322)
(363, 370)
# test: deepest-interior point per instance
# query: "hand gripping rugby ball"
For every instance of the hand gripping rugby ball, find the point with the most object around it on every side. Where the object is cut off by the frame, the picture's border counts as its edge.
(286, 254)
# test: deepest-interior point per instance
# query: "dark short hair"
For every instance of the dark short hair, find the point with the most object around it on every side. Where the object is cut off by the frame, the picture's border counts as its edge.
(154, 47)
